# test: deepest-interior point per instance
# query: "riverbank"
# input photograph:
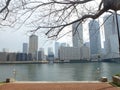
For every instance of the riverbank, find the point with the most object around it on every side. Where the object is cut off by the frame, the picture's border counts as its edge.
(40, 62)
(59, 86)
(113, 60)
(24, 62)
(49, 62)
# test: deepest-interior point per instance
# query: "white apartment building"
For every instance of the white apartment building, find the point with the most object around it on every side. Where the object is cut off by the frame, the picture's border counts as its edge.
(73, 53)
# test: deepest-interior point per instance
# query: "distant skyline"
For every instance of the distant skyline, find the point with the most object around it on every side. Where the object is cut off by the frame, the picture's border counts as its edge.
(13, 39)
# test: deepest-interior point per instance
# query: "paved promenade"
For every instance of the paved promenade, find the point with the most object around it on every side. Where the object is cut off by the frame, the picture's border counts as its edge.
(58, 86)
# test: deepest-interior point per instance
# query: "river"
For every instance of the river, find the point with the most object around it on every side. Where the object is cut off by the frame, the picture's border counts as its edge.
(59, 72)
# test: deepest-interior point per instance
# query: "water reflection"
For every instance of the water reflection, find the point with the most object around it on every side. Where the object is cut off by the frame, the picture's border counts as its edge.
(59, 72)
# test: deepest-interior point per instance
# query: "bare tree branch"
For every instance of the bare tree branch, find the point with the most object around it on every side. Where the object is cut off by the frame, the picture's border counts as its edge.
(55, 15)
(72, 2)
(6, 6)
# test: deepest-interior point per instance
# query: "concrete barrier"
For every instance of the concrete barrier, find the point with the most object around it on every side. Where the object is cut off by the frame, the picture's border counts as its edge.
(116, 80)
(9, 80)
(104, 79)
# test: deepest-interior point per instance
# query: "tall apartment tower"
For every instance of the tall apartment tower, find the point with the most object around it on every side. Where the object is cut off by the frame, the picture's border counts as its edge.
(50, 54)
(77, 34)
(41, 55)
(25, 48)
(111, 44)
(57, 45)
(50, 51)
(33, 46)
(94, 35)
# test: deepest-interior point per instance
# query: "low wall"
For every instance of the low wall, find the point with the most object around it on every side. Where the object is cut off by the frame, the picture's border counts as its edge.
(116, 80)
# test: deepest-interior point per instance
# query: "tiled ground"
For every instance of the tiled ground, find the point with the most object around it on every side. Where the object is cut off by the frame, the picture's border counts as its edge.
(58, 86)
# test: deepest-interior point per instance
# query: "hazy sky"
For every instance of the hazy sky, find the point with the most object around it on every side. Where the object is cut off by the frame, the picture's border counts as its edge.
(12, 39)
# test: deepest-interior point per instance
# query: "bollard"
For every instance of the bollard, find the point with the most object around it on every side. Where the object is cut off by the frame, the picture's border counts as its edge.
(104, 79)
(8, 80)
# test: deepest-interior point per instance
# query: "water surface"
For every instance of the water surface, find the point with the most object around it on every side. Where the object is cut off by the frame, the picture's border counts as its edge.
(59, 72)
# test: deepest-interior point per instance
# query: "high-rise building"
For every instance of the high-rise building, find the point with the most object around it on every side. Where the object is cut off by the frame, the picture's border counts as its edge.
(111, 35)
(33, 46)
(94, 34)
(50, 54)
(41, 55)
(57, 45)
(50, 51)
(25, 48)
(77, 34)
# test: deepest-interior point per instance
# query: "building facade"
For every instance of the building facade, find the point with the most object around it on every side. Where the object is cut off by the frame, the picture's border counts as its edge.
(74, 54)
(21, 57)
(41, 55)
(25, 48)
(11, 56)
(111, 44)
(33, 46)
(3, 56)
(94, 35)
(50, 54)
(85, 53)
(77, 34)
(57, 46)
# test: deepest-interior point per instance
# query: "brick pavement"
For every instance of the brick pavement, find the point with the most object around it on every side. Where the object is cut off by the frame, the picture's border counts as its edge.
(58, 86)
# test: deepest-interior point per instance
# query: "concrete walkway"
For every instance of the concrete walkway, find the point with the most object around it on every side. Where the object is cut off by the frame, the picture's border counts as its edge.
(58, 86)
